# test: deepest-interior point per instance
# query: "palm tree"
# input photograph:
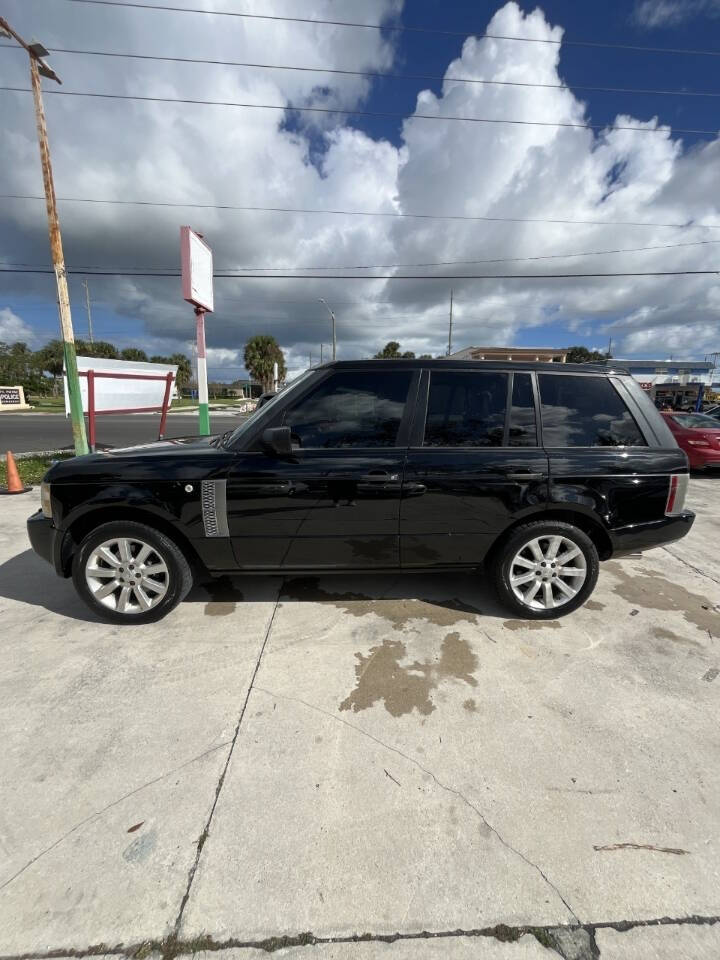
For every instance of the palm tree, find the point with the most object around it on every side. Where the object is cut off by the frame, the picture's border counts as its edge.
(262, 352)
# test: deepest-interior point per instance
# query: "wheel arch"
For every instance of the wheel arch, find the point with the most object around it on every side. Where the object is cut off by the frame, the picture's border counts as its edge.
(593, 528)
(88, 521)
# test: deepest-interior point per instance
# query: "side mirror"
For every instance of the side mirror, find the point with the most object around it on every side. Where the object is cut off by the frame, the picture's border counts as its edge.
(276, 441)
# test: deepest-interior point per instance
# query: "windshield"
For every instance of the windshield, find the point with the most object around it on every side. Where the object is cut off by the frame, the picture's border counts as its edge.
(696, 421)
(239, 431)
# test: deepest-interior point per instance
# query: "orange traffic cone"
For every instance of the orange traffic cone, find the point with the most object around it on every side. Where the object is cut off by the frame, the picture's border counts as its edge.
(14, 483)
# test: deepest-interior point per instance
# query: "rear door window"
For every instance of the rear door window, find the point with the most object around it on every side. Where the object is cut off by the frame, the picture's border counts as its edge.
(351, 409)
(585, 411)
(466, 409)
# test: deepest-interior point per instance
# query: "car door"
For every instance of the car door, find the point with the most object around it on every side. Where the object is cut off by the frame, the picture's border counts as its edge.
(336, 502)
(474, 464)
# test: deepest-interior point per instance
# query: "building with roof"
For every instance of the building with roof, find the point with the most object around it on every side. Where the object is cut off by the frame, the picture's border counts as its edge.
(676, 382)
(539, 354)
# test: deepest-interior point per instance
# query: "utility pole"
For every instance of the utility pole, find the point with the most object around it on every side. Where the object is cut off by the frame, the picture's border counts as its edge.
(321, 353)
(609, 353)
(332, 317)
(87, 304)
(450, 327)
(36, 52)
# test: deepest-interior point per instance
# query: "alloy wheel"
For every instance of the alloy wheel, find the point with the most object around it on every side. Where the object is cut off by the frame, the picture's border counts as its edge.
(547, 572)
(127, 575)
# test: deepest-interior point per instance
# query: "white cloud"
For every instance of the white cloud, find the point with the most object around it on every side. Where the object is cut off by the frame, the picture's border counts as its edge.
(222, 155)
(667, 13)
(12, 327)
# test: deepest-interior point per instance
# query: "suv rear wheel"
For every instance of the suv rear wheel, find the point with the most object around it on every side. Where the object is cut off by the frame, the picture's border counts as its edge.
(130, 573)
(546, 570)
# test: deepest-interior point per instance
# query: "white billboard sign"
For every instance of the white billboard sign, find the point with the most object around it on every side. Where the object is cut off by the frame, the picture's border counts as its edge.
(197, 269)
(122, 395)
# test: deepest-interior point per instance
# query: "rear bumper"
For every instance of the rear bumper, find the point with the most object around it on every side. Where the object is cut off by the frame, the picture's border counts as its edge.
(46, 540)
(644, 536)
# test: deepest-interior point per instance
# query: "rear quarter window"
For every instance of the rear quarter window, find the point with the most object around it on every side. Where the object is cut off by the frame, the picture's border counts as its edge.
(585, 411)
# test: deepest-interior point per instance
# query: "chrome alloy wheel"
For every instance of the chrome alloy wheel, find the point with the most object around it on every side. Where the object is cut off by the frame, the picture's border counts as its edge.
(547, 572)
(127, 575)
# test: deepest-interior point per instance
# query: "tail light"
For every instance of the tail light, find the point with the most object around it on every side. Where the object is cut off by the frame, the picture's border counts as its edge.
(699, 443)
(676, 494)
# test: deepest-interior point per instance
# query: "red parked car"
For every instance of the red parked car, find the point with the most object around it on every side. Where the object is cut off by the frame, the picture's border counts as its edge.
(698, 435)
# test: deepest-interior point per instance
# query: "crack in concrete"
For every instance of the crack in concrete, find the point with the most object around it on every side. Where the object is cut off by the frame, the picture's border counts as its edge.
(99, 813)
(502, 932)
(168, 950)
(443, 786)
(691, 566)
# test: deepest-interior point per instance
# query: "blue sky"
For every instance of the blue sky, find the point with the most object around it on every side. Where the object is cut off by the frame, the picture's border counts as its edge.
(130, 150)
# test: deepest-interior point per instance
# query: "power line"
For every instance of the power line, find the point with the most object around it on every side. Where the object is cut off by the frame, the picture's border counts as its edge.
(389, 276)
(79, 267)
(378, 75)
(365, 113)
(364, 213)
(397, 28)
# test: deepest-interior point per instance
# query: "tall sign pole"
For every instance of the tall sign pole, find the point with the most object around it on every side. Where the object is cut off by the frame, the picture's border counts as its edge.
(38, 66)
(197, 285)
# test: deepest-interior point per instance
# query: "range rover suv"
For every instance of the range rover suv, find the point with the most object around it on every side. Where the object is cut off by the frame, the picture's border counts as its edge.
(532, 472)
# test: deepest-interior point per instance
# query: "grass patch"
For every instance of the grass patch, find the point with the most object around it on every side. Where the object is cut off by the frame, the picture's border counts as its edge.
(31, 469)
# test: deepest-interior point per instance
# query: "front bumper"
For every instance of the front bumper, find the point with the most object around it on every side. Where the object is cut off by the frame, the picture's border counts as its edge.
(46, 540)
(655, 533)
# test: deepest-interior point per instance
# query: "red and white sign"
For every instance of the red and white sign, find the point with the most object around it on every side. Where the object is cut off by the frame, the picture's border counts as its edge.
(197, 269)
(646, 384)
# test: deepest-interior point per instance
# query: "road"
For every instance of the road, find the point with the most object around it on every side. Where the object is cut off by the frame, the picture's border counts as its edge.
(316, 765)
(25, 432)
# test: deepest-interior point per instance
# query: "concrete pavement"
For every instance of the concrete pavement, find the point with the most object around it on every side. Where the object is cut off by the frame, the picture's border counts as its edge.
(364, 767)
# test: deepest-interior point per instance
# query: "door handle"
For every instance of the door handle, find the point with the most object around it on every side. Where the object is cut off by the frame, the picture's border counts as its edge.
(525, 476)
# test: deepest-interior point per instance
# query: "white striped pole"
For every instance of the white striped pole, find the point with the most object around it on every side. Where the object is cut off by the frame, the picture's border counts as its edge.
(203, 410)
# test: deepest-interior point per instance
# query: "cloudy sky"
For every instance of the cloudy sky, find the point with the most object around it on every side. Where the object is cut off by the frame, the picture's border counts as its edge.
(496, 197)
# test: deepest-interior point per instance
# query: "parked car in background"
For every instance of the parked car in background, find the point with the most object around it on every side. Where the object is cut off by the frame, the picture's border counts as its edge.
(698, 435)
(532, 472)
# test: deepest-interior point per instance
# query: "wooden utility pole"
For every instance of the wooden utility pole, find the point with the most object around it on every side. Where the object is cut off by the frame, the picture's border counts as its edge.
(87, 304)
(36, 52)
(450, 327)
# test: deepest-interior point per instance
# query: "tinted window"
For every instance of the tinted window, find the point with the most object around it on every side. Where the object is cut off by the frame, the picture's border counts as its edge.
(523, 431)
(585, 412)
(466, 410)
(362, 409)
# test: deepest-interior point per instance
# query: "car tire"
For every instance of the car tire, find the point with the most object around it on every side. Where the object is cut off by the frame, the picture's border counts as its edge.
(130, 573)
(526, 580)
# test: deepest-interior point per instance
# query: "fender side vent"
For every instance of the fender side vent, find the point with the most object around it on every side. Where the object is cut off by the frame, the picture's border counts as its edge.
(214, 508)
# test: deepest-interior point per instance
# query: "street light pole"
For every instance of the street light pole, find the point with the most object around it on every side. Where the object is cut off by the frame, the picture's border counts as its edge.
(87, 304)
(38, 66)
(332, 317)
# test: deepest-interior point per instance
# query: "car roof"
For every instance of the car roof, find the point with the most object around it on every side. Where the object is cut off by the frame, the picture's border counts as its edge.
(447, 363)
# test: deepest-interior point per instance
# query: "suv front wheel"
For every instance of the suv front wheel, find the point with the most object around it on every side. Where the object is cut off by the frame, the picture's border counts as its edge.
(546, 570)
(130, 573)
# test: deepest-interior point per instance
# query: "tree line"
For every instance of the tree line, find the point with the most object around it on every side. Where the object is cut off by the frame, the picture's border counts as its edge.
(39, 372)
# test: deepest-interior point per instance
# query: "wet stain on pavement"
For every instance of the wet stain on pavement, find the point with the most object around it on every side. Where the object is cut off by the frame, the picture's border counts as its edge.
(224, 597)
(141, 848)
(402, 688)
(652, 591)
(531, 624)
(662, 634)
(470, 705)
(398, 612)
(594, 605)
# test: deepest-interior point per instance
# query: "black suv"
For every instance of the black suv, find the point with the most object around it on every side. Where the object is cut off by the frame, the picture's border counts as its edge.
(534, 471)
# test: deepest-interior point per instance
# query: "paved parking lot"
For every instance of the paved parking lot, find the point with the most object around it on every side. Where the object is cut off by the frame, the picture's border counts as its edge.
(364, 767)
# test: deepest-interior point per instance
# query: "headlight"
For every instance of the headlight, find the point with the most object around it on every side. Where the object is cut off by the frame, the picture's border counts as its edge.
(45, 504)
